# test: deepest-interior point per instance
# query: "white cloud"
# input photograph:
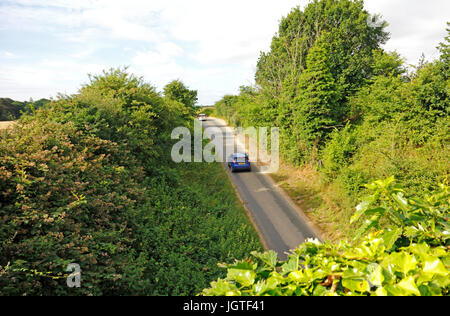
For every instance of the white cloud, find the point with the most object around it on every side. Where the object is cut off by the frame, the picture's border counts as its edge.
(169, 49)
(44, 79)
(158, 67)
(7, 54)
(84, 20)
(232, 31)
(118, 24)
(416, 26)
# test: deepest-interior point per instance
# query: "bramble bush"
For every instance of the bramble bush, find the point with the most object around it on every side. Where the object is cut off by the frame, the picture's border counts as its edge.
(410, 258)
(64, 200)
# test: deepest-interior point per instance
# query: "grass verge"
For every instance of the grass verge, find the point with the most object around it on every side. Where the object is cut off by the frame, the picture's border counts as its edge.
(327, 206)
(201, 222)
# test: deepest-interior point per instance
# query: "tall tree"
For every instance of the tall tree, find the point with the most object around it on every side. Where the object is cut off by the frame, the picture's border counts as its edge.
(352, 41)
(444, 48)
(342, 38)
(316, 109)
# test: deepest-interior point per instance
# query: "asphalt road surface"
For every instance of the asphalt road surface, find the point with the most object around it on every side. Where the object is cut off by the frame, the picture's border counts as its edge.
(281, 224)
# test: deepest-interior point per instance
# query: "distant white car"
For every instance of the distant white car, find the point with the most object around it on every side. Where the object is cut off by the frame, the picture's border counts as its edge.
(202, 117)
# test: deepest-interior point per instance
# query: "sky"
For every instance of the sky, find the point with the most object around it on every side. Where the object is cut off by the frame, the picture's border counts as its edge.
(50, 46)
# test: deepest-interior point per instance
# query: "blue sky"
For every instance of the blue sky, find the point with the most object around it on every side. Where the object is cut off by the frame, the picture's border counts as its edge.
(49, 47)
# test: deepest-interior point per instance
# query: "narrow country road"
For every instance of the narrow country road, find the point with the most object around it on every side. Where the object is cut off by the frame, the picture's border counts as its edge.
(280, 223)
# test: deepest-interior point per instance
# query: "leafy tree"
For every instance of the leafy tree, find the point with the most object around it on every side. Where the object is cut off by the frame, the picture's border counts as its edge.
(339, 30)
(444, 48)
(351, 43)
(132, 90)
(316, 109)
(324, 71)
(388, 64)
(177, 91)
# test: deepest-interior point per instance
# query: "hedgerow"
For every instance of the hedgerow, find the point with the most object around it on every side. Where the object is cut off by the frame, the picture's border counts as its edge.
(88, 180)
(347, 109)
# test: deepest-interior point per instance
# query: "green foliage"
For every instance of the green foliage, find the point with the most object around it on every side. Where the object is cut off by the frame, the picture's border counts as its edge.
(63, 200)
(186, 236)
(387, 64)
(409, 259)
(88, 180)
(444, 48)
(131, 90)
(207, 110)
(429, 98)
(316, 111)
(352, 42)
(420, 220)
(380, 101)
(177, 91)
(227, 108)
(317, 60)
(339, 150)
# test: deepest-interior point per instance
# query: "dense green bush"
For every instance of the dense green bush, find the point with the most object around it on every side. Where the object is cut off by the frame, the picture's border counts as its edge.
(177, 91)
(88, 180)
(65, 199)
(409, 258)
(207, 110)
(339, 150)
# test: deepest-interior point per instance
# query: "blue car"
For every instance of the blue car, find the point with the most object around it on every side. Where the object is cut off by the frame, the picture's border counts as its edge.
(239, 161)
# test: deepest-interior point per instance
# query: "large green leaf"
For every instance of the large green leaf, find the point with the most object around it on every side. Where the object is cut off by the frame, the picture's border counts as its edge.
(435, 267)
(390, 237)
(355, 280)
(373, 222)
(220, 288)
(400, 262)
(269, 258)
(376, 277)
(290, 265)
(361, 208)
(264, 286)
(408, 286)
(243, 277)
(401, 201)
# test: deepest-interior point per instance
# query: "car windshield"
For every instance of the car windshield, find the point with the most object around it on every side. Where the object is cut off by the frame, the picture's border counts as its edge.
(240, 158)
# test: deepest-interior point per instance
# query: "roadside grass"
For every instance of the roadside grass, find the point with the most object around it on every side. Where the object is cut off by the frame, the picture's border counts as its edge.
(219, 197)
(203, 223)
